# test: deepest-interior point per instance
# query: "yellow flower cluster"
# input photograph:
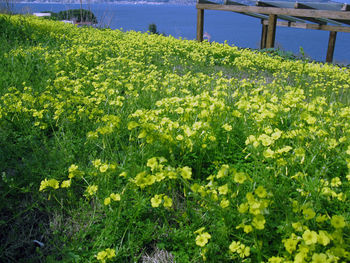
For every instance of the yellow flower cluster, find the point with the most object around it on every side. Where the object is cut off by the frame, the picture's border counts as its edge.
(106, 254)
(258, 143)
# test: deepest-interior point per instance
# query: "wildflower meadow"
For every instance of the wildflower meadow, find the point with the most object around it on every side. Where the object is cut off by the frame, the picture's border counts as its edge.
(115, 145)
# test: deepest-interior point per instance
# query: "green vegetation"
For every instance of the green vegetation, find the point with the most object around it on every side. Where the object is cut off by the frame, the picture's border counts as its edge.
(79, 15)
(118, 145)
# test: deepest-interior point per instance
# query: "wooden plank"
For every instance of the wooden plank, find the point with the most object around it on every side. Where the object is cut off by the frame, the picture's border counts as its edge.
(337, 22)
(345, 7)
(322, 21)
(343, 15)
(271, 31)
(263, 34)
(314, 20)
(345, 29)
(331, 45)
(200, 24)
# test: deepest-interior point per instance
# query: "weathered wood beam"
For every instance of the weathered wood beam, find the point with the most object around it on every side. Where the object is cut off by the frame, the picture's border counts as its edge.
(331, 45)
(321, 21)
(271, 31)
(263, 34)
(345, 7)
(200, 24)
(314, 20)
(228, 2)
(287, 18)
(345, 29)
(343, 15)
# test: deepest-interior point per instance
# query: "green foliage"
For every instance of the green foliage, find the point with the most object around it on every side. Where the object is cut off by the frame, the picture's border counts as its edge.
(118, 145)
(152, 28)
(81, 15)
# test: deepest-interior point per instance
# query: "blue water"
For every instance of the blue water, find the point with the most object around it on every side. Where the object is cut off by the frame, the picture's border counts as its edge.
(180, 21)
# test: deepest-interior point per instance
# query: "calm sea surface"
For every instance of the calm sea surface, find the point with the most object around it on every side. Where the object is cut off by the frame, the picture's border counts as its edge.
(180, 21)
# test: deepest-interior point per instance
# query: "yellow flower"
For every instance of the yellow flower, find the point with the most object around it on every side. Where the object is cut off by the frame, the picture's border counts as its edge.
(96, 163)
(186, 172)
(53, 183)
(234, 246)
(179, 137)
(338, 221)
(310, 237)
(275, 260)
(243, 208)
(123, 174)
(152, 163)
(321, 218)
(290, 244)
(259, 222)
(240, 177)
(73, 168)
(223, 171)
(107, 201)
(297, 226)
(268, 153)
(335, 182)
(223, 189)
(115, 197)
(265, 139)
(309, 213)
(168, 202)
(202, 239)
(132, 125)
(156, 200)
(323, 238)
(261, 192)
(103, 168)
(66, 184)
(105, 254)
(247, 229)
(319, 258)
(227, 127)
(224, 203)
(101, 256)
(91, 189)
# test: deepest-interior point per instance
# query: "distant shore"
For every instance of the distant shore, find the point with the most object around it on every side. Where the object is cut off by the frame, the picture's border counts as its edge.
(189, 3)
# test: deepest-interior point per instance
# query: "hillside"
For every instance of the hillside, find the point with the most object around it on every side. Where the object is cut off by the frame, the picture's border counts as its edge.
(123, 146)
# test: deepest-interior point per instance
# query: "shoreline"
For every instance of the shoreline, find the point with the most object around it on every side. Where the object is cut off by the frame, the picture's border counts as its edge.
(112, 3)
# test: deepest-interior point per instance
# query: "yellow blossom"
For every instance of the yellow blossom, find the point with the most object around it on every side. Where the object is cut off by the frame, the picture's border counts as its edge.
(107, 201)
(319, 258)
(260, 191)
(202, 239)
(227, 127)
(53, 183)
(310, 237)
(103, 168)
(156, 200)
(323, 238)
(168, 202)
(240, 177)
(223, 189)
(186, 172)
(338, 221)
(91, 189)
(66, 183)
(224, 203)
(115, 197)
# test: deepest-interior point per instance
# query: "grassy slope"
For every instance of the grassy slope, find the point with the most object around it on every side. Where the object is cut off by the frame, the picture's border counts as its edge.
(68, 96)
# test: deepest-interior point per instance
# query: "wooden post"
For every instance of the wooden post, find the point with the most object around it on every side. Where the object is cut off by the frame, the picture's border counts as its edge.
(271, 31)
(263, 35)
(200, 24)
(331, 45)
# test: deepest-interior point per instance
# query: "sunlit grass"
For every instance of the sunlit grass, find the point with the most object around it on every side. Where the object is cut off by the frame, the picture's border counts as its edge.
(132, 144)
